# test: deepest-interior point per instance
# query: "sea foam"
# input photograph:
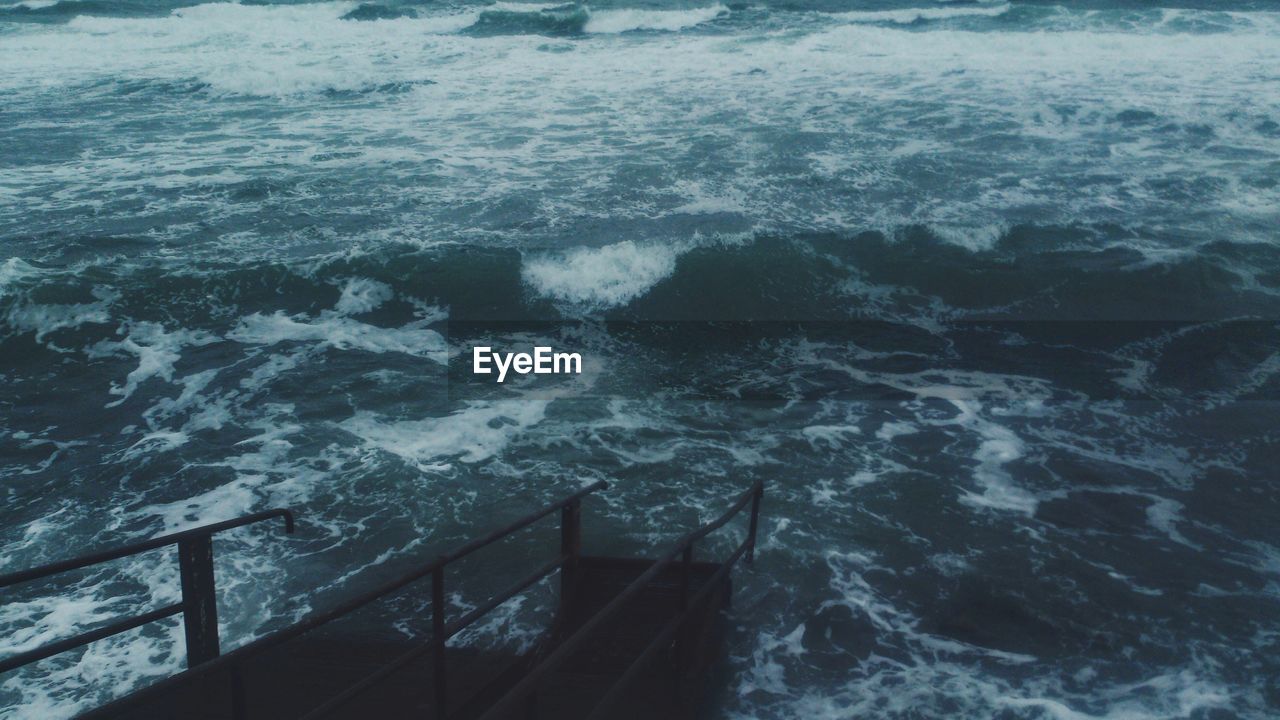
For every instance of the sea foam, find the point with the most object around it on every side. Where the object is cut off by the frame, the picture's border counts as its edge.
(625, 20)
(475, 433)
(911, 15)
(601, 277)
(338, 332)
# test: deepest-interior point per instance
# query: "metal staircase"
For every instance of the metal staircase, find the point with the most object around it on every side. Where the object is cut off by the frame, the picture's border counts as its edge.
(631, 638)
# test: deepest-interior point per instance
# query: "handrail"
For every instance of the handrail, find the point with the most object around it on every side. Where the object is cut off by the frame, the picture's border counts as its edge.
(521, 524)
(143, 546)
(453, 628)
(58, 647)
(194, 542)
(232, 659)
(198, 607)
(529, 683)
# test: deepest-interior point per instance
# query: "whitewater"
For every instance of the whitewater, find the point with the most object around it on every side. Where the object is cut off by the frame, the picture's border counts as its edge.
(987, 293)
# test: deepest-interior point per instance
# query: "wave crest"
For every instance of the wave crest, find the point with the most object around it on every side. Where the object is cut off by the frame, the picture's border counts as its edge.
(601, 277)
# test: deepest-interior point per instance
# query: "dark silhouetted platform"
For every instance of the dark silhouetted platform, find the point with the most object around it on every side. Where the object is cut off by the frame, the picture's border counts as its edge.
(631, 639)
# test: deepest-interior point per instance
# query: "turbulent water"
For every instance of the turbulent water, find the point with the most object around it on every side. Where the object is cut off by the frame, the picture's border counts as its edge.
(988, 294)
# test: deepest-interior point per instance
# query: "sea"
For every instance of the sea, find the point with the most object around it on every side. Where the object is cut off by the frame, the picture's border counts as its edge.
(986, 293)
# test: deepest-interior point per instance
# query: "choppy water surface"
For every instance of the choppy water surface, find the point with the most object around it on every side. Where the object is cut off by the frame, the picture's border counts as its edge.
(1010, 277)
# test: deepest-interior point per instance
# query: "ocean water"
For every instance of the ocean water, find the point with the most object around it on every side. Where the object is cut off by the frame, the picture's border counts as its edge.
(988, 293)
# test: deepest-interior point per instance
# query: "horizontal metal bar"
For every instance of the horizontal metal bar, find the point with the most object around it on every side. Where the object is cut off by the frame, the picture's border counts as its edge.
(461, 623)
(61, 646)
(522, 523)
(140, 547)
(664, 636)
(530, 681)
(453, 628)
(285, 634)
(705, 530)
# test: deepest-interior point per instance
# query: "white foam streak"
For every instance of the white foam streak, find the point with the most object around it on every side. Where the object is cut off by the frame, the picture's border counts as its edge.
(997, 445)
(475, 433)
(45, 319)
(601, 277)
(361, 295)
(625, 20)
(342, 333)
(501, 110)
(911, 15)
(156, 348)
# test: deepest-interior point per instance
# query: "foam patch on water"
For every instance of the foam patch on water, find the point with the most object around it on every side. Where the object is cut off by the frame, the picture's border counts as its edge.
(976, 239)
(1164, 515)
(911, 15)
(996, 445)
(626, 20)
(601, 277)
(340, 333)
(156, 348)
(221, 28)
(24, 315)
(913, 672)
(475, 433)
(265, 476)
(832, 436)
(1023, 90)
(12, 272)
(46, 319)
(891, 430)
(361, 295)
(120, 662)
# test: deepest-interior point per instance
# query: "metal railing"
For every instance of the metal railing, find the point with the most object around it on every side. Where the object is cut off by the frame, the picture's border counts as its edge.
(519, 695)
(688, 605)
(441, 630)
(199, 608)
(199, 605)
(232, 662)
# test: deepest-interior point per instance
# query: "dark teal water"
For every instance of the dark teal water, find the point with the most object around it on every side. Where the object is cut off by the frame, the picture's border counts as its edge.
(989, 294)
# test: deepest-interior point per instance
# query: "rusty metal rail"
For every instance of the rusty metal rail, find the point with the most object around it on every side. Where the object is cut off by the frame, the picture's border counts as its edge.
(199, 607)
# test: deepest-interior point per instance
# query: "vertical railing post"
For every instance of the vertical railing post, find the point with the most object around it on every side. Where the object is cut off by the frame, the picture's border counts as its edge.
(438, 638)
(755, 521)
(570, 546)
(199, 601)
